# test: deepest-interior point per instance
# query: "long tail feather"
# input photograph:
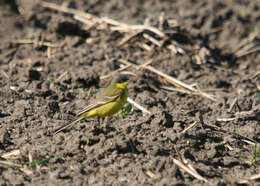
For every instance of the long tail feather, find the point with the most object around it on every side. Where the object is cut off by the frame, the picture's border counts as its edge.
(67, 125)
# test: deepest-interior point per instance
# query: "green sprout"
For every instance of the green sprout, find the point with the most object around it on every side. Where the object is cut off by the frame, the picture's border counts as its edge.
(52, 80)
(128, 109)
(80, 90)
(255, 154)
(193, 59)
(250, 30)
(150, 14)
(139, 21)
(39, 162)
(91, 94)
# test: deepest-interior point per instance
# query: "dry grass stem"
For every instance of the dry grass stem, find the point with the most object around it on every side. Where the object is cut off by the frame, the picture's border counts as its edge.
(145, 46)
(218, 129)
(170, 79)
(62, 76)
(153, 40)
(4, 74)
(161, 20)
(7, 53)
(256, 75)
(176, 90)
(251, 178)
(127, 38)
(131, 30)
(79, 15)
(189, 169)
(60, 8)
(177, 82)
(175, 49)
(225, 119)
(150, 174)
(36, 43)
(145, 64)
(11, 155)
(247, 45)
(138, 106)
(249, 51)
(189, 127)
(18, 166)
(115, 72)
(10, 164)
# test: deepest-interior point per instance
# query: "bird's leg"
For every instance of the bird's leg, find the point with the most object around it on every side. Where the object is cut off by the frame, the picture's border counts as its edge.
(106, 119)
(106, 122)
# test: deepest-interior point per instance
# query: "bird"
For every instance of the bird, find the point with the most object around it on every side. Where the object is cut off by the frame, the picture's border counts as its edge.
(108, 103)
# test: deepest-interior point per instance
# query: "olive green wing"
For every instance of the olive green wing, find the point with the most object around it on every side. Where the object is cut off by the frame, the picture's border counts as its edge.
(110, 94)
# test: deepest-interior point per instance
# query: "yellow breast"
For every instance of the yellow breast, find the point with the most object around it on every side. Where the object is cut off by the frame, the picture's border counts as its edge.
(113, 107)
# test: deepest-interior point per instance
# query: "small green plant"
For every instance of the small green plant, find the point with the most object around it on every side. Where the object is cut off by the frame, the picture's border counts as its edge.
(150, 14)
(39, 162)
(139, 21)
(126, 111)
(255, 154)
(91, 94)
(80, 90)
(52, 80)
(193, 59)
(259, 97)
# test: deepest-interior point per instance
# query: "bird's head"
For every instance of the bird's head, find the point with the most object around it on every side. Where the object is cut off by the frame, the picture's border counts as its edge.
(121, 81)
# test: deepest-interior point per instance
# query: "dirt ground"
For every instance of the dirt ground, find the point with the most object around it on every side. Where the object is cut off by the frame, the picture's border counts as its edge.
(43, 87)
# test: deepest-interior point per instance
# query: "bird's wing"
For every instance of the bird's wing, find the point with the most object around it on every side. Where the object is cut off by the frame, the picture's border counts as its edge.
(109, 95)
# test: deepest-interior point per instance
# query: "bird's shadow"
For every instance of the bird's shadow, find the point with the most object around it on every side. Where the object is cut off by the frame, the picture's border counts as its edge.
(97, 130)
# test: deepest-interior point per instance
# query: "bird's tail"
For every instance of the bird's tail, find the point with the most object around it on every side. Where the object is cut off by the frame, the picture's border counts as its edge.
(68, 125)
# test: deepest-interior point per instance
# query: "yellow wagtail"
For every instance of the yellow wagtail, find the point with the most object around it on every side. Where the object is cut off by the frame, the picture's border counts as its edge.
(107, 103)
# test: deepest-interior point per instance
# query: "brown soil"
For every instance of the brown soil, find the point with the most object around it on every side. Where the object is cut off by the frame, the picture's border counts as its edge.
(136, 150)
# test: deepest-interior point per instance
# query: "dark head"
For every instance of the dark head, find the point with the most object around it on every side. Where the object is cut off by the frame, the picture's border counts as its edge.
(121, 78)
(120, 81)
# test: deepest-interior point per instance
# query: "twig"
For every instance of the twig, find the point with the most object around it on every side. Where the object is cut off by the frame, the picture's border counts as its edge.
(150, 174)
(118, 25)
(115, 72)
(153, 40)
(138, 106)
(62, 76)
(249, 51)
(145, 64)
(177, 82)
(134, 30)
(225, 119)
(189, 169)
(11, 155)
(256, 75)
(7, 53)
(177, 90)
(35, 42)
(189, 127)
(124, 27)
(145, 46)
(251, 178)
(128, 38)
(61, 8)
(161, 20)
(243, 114)
(175, 49)
(254, 177)
(5, 74)
(170, 79)
(10, 164)
(216, 128)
